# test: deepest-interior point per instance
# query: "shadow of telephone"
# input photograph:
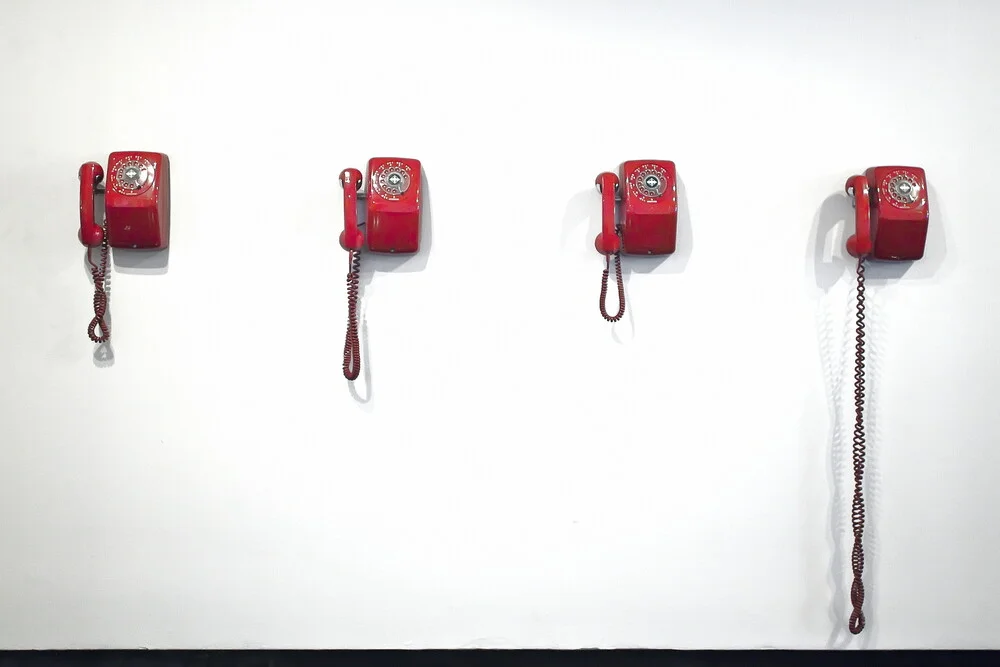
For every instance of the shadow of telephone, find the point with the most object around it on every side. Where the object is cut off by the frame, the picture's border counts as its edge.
(136, 217)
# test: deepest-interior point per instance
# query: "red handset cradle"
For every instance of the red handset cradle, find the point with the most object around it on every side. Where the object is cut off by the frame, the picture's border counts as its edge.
(891, 213)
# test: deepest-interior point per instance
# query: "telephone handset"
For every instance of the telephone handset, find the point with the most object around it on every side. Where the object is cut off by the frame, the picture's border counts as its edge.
(648, 192)
(392, 226)
(136, 216)
(890, 224)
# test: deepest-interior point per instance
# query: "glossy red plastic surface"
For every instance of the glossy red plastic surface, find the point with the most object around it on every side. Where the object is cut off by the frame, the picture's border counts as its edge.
(393, 203)
(859, 244)
(649, 198)
(898, 224)
(607, 242)
(899, 210)
(137, 200)
(351, 238)
(90, 174)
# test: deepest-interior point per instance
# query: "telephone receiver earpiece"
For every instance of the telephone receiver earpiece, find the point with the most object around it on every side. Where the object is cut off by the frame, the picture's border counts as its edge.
(859, 244)
(91, 174)
(351, 238)
(607, 242)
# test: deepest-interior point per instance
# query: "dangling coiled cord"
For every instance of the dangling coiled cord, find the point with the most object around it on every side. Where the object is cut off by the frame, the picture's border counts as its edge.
(352, 344)
(857, 621)
(621, 288)
(100, 274)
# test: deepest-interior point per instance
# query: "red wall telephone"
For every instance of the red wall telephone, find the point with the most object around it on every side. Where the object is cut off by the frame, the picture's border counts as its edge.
(891, 213)
(649, 218)
(890, 223)
(392, 226)
(136, 215)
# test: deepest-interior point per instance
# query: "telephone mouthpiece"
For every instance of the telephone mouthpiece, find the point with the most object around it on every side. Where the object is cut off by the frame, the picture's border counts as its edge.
(352, 239)
(852, 246)
(92, 237)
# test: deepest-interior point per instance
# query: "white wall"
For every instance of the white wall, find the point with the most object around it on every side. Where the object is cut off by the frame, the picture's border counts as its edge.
(512, 470)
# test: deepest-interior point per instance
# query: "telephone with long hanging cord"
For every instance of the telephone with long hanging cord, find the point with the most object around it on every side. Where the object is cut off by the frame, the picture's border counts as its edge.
(649, 218)
(891, 219)
(136, 216)
(392, 226)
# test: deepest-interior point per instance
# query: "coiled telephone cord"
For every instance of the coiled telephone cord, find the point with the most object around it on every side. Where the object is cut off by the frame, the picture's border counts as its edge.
(857, 621)
(352, 344)
(604, 288)
(100, 274)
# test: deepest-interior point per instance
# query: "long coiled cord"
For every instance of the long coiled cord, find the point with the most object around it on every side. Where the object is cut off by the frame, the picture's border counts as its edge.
(857, 621)
(100, 274)
(604, 288)
(352, 344)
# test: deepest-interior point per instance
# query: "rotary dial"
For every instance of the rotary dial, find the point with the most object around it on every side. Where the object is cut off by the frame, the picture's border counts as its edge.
(649, 181)
(132, 175)
(902, 188)
(392, 179)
